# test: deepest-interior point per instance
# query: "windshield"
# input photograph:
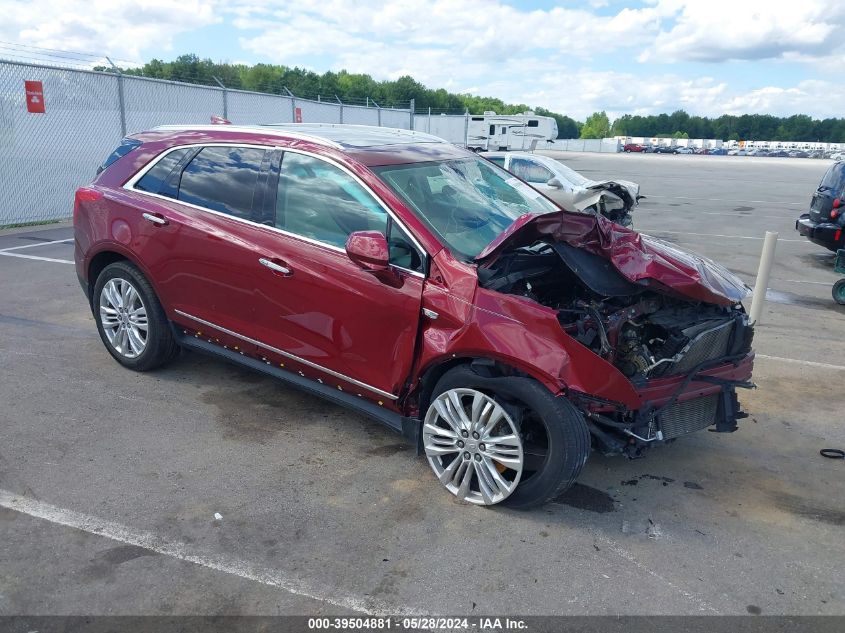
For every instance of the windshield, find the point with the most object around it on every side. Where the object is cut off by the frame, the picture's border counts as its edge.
(466, 202)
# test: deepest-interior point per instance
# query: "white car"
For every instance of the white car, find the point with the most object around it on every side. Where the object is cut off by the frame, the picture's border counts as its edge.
(614, 199)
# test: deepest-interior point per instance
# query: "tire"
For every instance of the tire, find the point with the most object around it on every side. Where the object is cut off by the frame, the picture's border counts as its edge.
(552, 430)
(113, 293)
(839, 292)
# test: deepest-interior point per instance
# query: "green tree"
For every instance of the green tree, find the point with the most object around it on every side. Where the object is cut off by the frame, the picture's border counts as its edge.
(597, 125)
(357, 88)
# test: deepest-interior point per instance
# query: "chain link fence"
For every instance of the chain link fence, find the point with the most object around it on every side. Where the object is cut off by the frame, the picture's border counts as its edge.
(45, 156)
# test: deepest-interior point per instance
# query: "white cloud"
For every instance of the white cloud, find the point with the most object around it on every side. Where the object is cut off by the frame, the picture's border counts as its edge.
(539, 57)
(467, 30)
(722, 30)
(120, 29)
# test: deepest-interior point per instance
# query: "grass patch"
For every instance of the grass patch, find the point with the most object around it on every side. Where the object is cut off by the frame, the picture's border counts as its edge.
(20, 225)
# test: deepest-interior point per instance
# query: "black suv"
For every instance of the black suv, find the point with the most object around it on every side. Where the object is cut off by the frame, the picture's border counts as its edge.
(825, 222)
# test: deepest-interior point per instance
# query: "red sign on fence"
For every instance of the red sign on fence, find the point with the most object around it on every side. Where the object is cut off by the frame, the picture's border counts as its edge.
(297, 115)
(34, 96)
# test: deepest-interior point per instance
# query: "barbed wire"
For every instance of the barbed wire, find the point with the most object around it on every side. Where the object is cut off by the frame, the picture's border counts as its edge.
(101, 64)
(79, 56)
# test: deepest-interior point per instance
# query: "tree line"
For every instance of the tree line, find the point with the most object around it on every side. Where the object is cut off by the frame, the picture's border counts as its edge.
(679, 124)
(359, 88)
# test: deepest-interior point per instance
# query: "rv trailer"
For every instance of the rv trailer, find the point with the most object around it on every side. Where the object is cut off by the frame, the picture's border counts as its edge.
(503, 132)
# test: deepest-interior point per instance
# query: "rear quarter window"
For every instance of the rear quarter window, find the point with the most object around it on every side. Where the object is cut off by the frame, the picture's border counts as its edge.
(834, 179)
(126, 146)
(153, 181)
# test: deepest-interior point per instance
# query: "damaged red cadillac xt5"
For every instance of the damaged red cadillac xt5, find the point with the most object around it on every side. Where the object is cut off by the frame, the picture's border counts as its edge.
(411, 281)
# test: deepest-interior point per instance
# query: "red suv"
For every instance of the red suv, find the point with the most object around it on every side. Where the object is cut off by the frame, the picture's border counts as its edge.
(409, 280)
(633, 147)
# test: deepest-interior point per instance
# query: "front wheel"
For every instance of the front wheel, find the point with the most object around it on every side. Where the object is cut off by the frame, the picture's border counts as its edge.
(504, 440)
(839, 292)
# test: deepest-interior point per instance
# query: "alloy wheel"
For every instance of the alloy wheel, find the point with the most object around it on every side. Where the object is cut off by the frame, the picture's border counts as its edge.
(124, 318)
(473, 446)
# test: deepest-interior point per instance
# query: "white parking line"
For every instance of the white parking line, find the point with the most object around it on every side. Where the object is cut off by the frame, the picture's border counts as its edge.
(741, 215)
(802, 281)
(42, 259)
(626, 555)
(807, 363)
(727, 200)
(17, 248)
(191, 554)
(734, 237)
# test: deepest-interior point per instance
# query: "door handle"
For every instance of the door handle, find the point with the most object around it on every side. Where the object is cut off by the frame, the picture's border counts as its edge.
(278, 268)
(155, 219)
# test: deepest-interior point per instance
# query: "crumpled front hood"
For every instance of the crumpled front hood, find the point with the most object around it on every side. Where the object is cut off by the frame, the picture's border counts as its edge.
(641, 259)
(631, 188)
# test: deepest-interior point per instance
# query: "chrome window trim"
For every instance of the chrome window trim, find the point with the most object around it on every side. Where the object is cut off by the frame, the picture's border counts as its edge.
(130, 186)
(292, 357)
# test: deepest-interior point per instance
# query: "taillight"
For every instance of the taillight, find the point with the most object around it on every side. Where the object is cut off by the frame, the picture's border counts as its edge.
(837, 203)
(84, 194)
(838, 235)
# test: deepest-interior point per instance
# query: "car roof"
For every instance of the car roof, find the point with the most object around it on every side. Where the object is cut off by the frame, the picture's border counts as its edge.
(337, 135)
(369, 145)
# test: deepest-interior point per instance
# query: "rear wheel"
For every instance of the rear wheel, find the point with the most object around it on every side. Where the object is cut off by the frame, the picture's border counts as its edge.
(839, 292)
(502, 439)
(130, 319)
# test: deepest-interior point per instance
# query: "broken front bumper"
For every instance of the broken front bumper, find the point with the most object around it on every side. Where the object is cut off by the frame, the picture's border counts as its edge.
(675, 406)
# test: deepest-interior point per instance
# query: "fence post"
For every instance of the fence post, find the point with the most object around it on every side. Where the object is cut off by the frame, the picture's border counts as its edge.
(412, 106)
(120, 98)
(341, 107)
(292, 105)
(378, 113)
(466, 127)
(429, 120)
(225, 97)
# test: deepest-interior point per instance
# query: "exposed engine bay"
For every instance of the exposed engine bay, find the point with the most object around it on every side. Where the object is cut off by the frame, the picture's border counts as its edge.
(644, 332)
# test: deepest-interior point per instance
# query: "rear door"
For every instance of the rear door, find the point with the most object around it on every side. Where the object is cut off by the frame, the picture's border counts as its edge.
(316, 309)
(202, 252)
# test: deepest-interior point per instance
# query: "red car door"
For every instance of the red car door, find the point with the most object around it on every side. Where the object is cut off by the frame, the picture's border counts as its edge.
(315, 308)
(199, 248)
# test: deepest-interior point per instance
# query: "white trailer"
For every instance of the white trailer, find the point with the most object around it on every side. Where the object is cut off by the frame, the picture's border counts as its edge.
(503, 132)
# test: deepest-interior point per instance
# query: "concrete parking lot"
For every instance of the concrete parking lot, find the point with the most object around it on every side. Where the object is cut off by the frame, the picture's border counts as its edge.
(110, 480)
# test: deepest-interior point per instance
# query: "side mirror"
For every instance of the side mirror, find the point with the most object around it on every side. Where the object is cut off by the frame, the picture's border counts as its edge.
(369, 250)
(554, 182)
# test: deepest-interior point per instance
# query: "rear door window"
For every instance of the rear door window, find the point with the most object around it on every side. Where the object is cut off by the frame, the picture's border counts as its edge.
(223, 179)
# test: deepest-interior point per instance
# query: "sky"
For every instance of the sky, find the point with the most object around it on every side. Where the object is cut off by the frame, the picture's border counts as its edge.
(708, 57)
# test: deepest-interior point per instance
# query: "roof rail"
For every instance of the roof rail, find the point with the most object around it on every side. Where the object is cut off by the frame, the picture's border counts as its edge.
(255, 129)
